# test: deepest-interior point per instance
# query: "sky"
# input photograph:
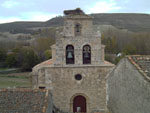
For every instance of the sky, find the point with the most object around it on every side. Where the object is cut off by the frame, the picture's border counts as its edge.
(43, 10)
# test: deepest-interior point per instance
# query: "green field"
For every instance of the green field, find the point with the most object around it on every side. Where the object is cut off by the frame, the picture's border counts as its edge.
(15, 80)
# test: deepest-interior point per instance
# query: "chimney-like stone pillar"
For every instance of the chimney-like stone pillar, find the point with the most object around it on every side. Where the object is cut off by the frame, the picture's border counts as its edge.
(103, 52)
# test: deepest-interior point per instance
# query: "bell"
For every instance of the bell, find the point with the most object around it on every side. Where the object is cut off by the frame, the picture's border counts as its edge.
(86, 55)
(69, 55)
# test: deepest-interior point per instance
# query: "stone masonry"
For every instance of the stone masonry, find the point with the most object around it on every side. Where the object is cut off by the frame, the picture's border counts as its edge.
(128, 86)
(60, 78)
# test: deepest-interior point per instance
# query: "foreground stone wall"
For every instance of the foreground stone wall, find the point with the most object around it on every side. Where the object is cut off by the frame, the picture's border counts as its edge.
(64, 87)
(128, 91)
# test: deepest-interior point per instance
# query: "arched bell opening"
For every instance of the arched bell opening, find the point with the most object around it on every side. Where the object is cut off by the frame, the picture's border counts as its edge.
(86, 53)
(69, 54)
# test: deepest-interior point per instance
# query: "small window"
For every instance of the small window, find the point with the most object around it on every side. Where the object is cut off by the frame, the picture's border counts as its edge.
(86, 54)
(77, 30)
(69, 54)
(78, 77)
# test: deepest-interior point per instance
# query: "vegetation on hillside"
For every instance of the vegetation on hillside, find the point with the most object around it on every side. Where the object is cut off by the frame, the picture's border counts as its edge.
(25, 44)
(132, 22)
(29, 42)
(139, 44)
(25, 57)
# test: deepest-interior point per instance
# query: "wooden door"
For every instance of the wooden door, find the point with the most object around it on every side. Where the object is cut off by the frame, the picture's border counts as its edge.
(79, 104)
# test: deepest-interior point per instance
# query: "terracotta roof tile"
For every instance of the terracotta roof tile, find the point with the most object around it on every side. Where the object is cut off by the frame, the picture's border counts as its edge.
(142, 64)
(23, 100)
(45, 63)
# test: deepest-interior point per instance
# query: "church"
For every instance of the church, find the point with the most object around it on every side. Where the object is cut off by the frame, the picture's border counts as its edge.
(76, 74)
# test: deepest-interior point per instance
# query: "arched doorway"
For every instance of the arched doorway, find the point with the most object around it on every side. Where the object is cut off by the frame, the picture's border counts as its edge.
(79, 104)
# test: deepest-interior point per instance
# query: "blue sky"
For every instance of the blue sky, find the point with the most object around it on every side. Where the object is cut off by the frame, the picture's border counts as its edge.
(42, 10)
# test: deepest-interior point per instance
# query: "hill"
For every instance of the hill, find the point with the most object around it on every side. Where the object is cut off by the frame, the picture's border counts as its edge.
(130, 21)
(19, 26)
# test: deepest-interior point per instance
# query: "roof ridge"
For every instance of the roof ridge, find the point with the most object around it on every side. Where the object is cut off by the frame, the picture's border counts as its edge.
(137, 66)
(22, 89)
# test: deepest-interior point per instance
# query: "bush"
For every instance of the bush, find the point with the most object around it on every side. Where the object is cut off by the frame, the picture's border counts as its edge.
(26, 58)
(48, 54)
(29, 59)
(129, 50)
(2, 55)
(11, 60)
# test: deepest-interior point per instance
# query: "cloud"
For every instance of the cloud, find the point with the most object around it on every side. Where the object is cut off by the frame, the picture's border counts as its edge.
(103, 7)
(10, 4)
(28, 16)
(9, 19)
(37, 16)
(148, 12)
(126, 1)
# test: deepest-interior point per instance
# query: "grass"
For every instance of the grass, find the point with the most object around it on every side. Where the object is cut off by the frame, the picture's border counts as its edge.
(14, 80)
(8, 70)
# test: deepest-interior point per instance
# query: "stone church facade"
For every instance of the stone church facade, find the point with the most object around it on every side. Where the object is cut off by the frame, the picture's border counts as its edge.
(76, 73)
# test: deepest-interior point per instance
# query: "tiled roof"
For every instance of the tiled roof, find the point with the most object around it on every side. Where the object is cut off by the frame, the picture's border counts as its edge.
(142, 64)
(45, 63)
(42, 64)
(106, 62)
(24, 100)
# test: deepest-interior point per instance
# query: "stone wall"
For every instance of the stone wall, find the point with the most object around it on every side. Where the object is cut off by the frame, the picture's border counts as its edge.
(78, 43)
(64, 87)
(84, 20)
(88, 36)
(127, 90)
(59, 77)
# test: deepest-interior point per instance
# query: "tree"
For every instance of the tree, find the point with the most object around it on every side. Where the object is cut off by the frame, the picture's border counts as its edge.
(29, 60)
(2, 55)
(111, 44)
(41, 45)
(11, 60)
(48, 54)
(26, 58)
(129, 50)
